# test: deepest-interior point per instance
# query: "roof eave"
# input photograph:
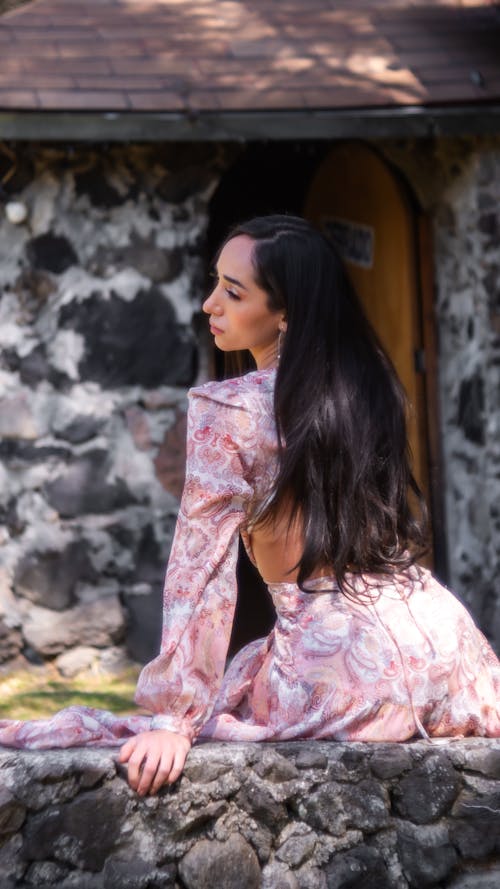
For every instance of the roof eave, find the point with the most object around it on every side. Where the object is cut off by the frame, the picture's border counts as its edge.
(98, 126)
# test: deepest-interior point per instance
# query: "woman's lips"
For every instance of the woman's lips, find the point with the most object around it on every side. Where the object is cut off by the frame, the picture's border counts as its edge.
(214, 329)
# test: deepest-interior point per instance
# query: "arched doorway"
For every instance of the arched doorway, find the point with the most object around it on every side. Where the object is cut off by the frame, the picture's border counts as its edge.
(358, 201)
(367, 209)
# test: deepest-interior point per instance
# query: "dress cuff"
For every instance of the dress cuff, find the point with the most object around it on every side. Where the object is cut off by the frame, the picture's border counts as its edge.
(172, 724)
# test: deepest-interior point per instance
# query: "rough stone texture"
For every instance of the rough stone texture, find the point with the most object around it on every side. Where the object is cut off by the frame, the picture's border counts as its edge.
(98, 290)
(236, 819)
(457, 181)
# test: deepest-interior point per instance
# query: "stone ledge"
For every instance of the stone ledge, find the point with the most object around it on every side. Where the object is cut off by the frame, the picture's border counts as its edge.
(294, 815)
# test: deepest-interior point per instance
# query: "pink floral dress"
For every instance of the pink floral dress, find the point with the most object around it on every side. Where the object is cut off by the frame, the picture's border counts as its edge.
(402, 659)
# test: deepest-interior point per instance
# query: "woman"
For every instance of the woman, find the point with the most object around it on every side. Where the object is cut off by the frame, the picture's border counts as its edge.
(306, 458)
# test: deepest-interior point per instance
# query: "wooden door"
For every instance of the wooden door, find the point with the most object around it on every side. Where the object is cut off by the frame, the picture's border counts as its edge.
(356, 200)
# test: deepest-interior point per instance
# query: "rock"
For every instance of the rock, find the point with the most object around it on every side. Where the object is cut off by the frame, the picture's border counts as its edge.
(278, 876)
(135, 343)
(170, 461)
(475, 826)
(34, 367)
(276, 768)
(155, 263)
(259, 802)
(12, 812)
(11, 642)
(82, 428)
(16, 419)
(221, 865)
(50, 578)
(77, 660)
(426, 853)
(11, 865)
(390, 761)
(477, 879)
(95, 184)
(98, 623)
(367, 805)
(83, 487)
(428, 791)
(144, 622)
(323, 808)
(361, 868)
(16, 212)
(81, 833)
(297, 848)
(310, 758)
(51, 252)
(123, 873)
(471, 409)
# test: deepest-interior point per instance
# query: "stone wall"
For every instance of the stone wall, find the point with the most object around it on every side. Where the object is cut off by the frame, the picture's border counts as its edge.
(302, 815)
(457, 182)
(101, 276)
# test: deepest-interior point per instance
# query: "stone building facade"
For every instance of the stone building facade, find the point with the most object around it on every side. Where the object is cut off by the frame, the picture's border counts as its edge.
(103, 265)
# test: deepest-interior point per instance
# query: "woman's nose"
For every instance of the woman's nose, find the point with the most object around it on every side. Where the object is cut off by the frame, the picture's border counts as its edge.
(210, 305)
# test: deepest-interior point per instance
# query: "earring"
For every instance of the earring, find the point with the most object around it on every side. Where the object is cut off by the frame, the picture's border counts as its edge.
(281, 334)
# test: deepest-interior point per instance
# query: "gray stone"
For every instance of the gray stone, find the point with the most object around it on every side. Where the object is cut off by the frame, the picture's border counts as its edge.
(45, 873)
(475, 826)
(150, 261)
(390, 761)
(216, 865)
(428, 791)
(297, 848)
(124, 873)
(77, 660)
(12, 812)
(323, 808)
(276, 768)
(49, 578)
(84, 488)
(367, 805)
(471, 409)
(82, 833)
(11, 863)
(278, 876)
(259, 802)
(17, 419)
(426, 853)
(309, 877)
(133, 343)
(361, 868)
(82, 428)
(52, 253)
(11, 642)
(477, 879)
(311, 758)
(98, 624)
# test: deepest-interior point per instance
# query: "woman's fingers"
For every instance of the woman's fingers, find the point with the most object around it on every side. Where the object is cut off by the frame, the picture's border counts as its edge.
(154, 758)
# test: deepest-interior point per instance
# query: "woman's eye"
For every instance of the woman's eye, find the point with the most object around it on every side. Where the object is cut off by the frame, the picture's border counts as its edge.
(232, 294)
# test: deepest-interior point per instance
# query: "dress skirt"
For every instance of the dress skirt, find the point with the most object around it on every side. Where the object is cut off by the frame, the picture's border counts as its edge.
(390, 662)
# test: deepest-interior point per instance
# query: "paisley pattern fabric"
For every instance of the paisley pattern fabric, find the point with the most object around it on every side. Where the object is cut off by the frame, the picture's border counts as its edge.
(398, 658)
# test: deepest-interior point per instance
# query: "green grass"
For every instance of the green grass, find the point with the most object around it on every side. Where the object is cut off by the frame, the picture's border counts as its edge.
(34, 694)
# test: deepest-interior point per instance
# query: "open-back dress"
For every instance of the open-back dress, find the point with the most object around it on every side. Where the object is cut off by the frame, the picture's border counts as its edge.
(400, 657)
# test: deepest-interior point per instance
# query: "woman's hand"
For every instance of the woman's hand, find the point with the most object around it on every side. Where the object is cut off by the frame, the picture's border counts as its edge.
(154, 758)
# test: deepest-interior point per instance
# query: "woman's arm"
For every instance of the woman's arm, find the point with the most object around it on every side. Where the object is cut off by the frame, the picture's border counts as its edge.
(180, 685)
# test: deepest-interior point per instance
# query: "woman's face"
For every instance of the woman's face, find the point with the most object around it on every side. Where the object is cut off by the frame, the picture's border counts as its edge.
(240, 317)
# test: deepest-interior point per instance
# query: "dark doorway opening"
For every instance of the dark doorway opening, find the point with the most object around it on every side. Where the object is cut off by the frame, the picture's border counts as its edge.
(266, 178)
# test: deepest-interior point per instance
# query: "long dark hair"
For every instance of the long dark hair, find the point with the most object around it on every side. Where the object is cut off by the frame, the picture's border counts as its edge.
(340, 412)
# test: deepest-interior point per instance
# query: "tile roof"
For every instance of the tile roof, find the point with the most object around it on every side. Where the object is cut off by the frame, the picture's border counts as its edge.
(253, 55)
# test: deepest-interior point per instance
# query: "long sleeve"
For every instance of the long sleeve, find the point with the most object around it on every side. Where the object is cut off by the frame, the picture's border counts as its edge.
(180, 685)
